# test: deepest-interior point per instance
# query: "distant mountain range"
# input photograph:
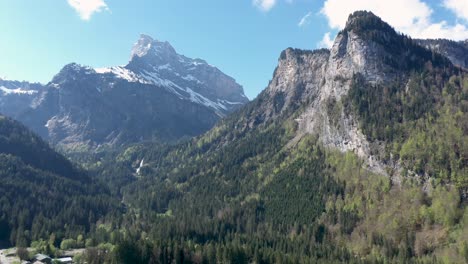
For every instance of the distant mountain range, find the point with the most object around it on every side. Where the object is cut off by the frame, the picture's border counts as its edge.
(159, 95)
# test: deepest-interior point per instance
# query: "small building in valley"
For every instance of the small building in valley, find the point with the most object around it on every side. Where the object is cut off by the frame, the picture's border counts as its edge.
(41, 258)
(67, 260)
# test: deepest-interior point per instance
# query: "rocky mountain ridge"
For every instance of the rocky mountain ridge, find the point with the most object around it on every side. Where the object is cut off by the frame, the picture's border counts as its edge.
(160, 95)
(362, 147)
(156, 62)
(313, 86)
(456, 51)
(317, 81)
(17, 96)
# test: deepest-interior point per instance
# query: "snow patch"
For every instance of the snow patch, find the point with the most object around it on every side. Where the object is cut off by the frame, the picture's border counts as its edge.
(7, 91)
(182, 59)
(200, 99)
(191, 78)
(142, 162)
(231, 103)
(121, 73)
(155, 79)
(55, 85)
(165, 67)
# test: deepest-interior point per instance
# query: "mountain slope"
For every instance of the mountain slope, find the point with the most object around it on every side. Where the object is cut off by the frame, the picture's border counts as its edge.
(42, 193)
(160, 95)
(356, 154)
(457, 52)
(193, 79)
(77, 114)
(17, 97)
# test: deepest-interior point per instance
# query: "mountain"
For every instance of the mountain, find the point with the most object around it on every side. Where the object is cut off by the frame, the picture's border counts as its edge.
(42, 193)
(357, 154)
(193, 79)
(17, 97)
(159, 95)
(456, 51)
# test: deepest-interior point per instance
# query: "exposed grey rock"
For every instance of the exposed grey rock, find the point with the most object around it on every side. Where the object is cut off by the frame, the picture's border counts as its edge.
(326, 78)
(158, 63)
(160, 95)
(323, 79)
(455, 51)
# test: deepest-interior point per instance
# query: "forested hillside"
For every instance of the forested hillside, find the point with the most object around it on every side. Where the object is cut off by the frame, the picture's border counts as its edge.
(252, 196)
(261, 187)
(42, 194)
(357, 154)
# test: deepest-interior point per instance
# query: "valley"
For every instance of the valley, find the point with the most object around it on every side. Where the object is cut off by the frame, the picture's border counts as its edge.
(353, 154)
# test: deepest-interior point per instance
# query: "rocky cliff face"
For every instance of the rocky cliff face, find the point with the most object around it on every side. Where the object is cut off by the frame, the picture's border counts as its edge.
(323, 78)
(457, 52)
(317, 82)
(160, 95)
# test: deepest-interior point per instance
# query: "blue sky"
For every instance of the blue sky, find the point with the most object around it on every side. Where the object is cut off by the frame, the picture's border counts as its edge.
(241, 37)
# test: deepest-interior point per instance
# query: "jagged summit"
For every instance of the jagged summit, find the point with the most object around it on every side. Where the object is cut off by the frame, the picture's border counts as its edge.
(367, 21)
(386, 51)
(158, 95)
(146, 37)
(75, 67)
(315, 80)
(71, 71)
(398, 47)
(158, 63)
(146, 45)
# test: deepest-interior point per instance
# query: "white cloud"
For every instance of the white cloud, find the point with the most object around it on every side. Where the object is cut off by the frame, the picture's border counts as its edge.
(264, 5)
(326, 42)
(305, 19)
(86, 8)
(267, 5)
(459, 7)
(412, 17)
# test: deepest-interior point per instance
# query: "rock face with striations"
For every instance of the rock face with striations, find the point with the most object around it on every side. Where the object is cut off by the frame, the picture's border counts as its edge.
(160, 95)
(317, 82)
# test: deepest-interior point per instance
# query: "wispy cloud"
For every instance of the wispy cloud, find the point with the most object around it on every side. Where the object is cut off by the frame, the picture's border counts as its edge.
(459, 7)
(264, 5)
(86, 8)
(305, 20)
(412, 17)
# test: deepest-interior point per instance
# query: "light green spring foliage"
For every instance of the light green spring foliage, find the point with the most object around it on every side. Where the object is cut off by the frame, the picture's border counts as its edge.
(428, 223)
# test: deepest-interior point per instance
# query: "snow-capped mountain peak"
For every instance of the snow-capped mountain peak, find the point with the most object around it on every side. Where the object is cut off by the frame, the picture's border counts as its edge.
(146, 45)
(157, 62)
(159, 95)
